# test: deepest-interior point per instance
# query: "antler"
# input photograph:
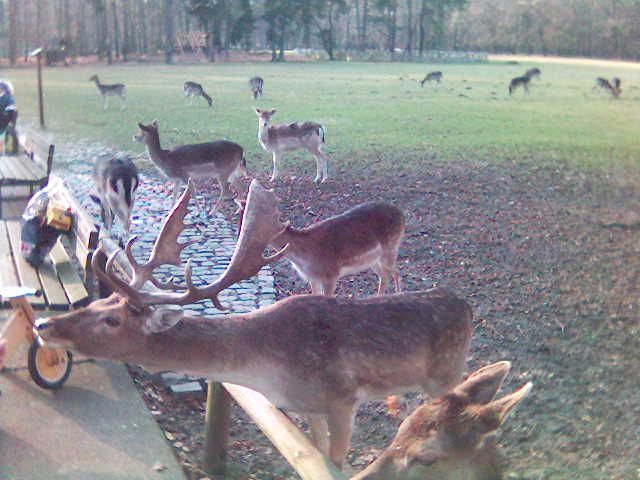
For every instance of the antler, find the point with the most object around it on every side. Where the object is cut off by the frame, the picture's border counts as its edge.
(261, 225)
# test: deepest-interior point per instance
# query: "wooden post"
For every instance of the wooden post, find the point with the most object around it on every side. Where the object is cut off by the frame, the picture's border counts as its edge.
(216, 429)
(38, 54)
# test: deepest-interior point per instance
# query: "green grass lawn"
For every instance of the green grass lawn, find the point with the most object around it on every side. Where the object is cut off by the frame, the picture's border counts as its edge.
(369, 112)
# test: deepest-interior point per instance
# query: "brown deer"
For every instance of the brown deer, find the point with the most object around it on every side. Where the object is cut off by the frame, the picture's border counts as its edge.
(193, 89)
(612, 87)
(222, 160)
(279, 138)
(316, 355)
(432, 77)
(533, 73)
(445, 438)
(110, 90)
(366, 236)
(256, 84)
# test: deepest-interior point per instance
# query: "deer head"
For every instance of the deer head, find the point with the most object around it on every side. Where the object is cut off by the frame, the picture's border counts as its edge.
(445, 438)
(145, 131)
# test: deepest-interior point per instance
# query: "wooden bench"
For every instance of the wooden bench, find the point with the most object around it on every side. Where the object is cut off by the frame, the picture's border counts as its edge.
(58, 279)
(30, 168)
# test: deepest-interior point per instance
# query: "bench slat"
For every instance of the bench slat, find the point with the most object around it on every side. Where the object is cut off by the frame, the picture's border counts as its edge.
(35, 169)
(8, 276)
(26, 273)
(18, 172)
(53, 290)
(71, 282)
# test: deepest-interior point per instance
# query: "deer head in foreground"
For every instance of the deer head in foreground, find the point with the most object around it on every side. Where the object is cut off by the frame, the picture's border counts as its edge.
(116, 181)
(316, 355)
(222, 160)
(366, 236)
(445, 438)
(279, 138)
(256, 84)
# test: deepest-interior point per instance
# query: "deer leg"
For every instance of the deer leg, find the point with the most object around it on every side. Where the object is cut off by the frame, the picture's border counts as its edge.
(340, 422)
(317, 287)
(276, 160)
(329, 287)
(322, 165)
(319, 433)
(382, 272)
(105, 102)
(176, 190)
(224, 188)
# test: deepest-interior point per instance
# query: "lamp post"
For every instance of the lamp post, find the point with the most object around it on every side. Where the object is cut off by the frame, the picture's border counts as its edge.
(38, 54)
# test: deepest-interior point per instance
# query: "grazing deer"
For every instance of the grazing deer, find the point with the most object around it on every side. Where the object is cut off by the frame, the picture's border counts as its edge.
(445, 438)
(256, 84)
(115, 181)
(279, 138)
(533, 73)
(432, 77)
(193, 89)
(316, 355)
(519, 82)
(613, 88)
(113, 90)
(366, 236)
(222, 160)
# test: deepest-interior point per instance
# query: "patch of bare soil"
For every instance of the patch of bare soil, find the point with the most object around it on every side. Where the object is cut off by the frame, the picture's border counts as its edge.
(548, 258)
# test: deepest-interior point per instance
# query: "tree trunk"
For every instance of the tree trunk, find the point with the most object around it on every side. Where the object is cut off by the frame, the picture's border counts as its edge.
(365, 16)
(116, 30)
(144, 39)
(13, 31)
(168, 31)
(409, 27)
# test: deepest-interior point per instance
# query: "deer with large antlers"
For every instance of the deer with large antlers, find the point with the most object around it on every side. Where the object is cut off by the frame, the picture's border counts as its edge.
(446, 437)
(315, 355)
(279, 138)
(222, 160)
(366, 236)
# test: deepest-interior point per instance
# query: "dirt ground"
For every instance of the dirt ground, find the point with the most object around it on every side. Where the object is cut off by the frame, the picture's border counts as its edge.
(548, 258)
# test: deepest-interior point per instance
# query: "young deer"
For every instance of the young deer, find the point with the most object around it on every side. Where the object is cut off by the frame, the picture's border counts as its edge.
(222, 160)
(256, 84)
(432, 77)
(366, 236)
(193, 89)
(533, 73)
(316, 355)
(516, 82)
(113, 90)
(445, 438)
(279, 138)
(116, 181)
(613, 88)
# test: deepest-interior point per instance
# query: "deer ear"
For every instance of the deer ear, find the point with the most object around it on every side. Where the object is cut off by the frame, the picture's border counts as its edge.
(483, 384)
(495, 412)
(258, 111)
(272, 111)
(163, 319)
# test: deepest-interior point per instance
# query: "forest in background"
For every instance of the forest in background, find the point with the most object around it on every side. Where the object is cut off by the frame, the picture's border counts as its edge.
(122, 30)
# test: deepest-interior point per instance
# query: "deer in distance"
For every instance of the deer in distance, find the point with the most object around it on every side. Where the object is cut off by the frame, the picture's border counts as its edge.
(312, 354)
(366, 236)
(446, 438)
(432, 77)
(279, 138)
(613, 87)
(193, 89)
(115, 181)
(222, 160)
(533, 73)
(110, 90)
(256, 84)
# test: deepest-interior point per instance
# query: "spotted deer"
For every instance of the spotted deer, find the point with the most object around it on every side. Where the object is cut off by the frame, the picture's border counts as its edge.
(279, 138)
(432, 77)
(193, 89)
(115, 181)
(613, 87)
(222, 160)
(316, 355)
(110, 90)
(366, 236)
(256, 84)
(446, 438)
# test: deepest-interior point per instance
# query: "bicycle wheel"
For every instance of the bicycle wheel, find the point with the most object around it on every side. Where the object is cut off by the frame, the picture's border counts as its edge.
(49, 366)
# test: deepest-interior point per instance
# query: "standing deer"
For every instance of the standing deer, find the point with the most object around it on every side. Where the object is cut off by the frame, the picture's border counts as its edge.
(116, 181)
(432, 77)
(110, 90)
(445, 438)
(366, 236)
(279, 138)
(222, 160)
(316, 355)
(256, 84)
(612, 87)
(193, 89)
(533, 73)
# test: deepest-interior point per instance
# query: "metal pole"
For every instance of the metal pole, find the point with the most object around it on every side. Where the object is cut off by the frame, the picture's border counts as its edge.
(40, 100)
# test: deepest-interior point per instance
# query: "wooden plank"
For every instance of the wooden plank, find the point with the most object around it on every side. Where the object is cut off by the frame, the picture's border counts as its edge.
(26, 273)
(293, 444)
(17, 170)
(53, 289)
(39, 172)
(71, 282)
(8, 275)
(4, 168)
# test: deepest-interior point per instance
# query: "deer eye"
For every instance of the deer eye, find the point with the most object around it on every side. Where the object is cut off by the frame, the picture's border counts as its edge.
(112, 322)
